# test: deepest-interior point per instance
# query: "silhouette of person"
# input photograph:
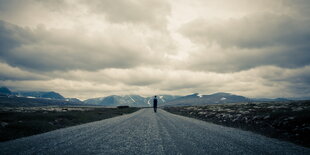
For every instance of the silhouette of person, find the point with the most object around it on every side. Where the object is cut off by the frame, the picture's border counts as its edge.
(155, 103)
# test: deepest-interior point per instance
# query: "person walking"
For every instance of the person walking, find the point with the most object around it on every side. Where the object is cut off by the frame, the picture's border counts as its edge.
(155, 103)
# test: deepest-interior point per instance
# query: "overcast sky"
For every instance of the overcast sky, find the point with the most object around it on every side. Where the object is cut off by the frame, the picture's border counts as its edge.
(85, 49)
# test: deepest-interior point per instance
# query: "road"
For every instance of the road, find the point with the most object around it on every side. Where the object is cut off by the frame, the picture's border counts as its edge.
(146, 132)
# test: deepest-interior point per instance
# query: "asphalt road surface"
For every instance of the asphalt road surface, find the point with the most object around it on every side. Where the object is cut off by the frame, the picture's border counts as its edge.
(146, 132)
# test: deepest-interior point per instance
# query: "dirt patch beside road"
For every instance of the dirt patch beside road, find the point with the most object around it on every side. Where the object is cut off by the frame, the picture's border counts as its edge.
(25, 121)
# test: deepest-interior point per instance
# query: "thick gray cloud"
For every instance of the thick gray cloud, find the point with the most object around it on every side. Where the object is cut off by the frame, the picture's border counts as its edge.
(253, 31)
(237, 59)
(44, 50)
(251, 41)
(14, 73)
(95, 48)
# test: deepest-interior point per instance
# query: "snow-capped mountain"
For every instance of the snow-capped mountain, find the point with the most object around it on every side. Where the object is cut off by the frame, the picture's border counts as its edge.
(39, 94)
(199, 99)
(130, 100)
(34, 98)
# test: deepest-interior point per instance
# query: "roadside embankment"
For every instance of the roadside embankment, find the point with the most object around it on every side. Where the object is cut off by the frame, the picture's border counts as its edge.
(288, 121)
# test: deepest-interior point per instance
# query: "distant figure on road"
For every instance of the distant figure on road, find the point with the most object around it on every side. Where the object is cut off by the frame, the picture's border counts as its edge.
(155, 103)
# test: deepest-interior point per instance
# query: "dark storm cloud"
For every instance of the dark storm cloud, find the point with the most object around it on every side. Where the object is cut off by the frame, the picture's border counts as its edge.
(16, 74)
(255, 31)
(295, 81)
(12, 36)
(299, 76)
(235, 59)
(45, 50)
(257, 40)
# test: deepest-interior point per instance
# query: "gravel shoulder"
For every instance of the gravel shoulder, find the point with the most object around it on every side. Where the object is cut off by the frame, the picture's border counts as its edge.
(289, 121)
(17, 122)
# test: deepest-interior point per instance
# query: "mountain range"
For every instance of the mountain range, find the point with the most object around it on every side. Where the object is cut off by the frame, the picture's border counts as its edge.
(31, 94)
(167, 100)
(34, 98)
(35, 94)
(172, 100)
(199, 99)
(131, 100)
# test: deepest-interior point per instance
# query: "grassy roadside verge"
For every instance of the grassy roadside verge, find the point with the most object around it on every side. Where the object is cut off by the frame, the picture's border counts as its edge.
(21, 122)
(289, 121)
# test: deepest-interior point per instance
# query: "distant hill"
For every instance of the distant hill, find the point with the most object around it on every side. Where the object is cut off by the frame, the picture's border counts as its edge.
(34, 98)
(115, 100)
(38, 94)
(198, 99)
(270, 99)
(300, 98)
(5, 91)
(74, 100)
(14, 101)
